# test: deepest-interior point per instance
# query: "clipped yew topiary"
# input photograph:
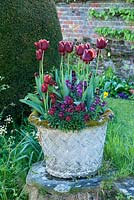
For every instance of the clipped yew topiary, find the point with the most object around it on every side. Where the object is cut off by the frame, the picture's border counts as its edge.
(21, 24)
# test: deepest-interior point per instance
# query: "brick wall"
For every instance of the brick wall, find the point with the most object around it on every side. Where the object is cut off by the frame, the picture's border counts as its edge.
(76, 25)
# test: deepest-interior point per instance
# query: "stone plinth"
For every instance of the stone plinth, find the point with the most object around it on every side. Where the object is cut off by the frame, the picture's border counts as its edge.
(42, 186)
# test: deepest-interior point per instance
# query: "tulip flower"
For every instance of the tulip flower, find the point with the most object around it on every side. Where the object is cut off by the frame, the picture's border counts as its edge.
(44, 87)
(79, 49)
(88, 55)
(48, 79)
(101, 43)
(53, 98)
(39, 54)
(37, 45)
(87, 46)
(42, 44)
(68, 47)
(61, 47)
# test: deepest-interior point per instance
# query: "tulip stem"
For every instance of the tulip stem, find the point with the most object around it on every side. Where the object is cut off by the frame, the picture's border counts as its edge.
(61, 68)
(79, 64)
(68, 57)
(98, 58)
(41, 71)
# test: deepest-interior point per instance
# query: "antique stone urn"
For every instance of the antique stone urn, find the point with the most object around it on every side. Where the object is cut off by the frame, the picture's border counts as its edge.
(72, 154)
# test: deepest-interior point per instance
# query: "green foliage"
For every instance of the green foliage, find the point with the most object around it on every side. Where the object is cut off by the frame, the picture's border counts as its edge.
(114, 85)
(67, 99)
(119, 147)
(17, 156)
(125, 14)
(18, 153)
(119, 34)
(22, 23)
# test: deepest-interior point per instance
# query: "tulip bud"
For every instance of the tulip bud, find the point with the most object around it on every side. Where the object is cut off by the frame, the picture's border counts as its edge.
(68, 47)
(39, 54)
(44, 87)
(44, 44)
(87, 46)
(88, 55)
(101, 43)
(61, 47)
(79, 49)
(48, 79)
(37, 45)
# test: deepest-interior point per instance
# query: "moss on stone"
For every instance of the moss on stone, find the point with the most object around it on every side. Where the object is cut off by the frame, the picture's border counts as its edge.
(35, 120)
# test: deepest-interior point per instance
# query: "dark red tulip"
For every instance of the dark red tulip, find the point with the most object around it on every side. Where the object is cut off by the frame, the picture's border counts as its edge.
(44, 87)
(88, 55)
(101, 43)
(39, 54)
(68, 46)
(53, 98)
(87, 46)
(61, 47)
(48, 79)
(79, 49)
(37, 45)
(42, 44)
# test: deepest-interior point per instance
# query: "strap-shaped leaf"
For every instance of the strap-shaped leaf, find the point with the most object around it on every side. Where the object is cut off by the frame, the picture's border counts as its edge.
(37, 107)
(34, 98)
(38, 85)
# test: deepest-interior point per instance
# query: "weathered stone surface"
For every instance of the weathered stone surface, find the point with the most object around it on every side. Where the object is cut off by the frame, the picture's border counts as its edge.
(43, 186)
(126, 186)
(73, 154)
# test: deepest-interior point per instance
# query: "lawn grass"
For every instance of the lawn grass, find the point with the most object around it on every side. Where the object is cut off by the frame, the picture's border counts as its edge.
(119, 148)
(18, 154)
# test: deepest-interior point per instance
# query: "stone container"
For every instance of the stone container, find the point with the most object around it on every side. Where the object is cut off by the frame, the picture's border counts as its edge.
(72, 154)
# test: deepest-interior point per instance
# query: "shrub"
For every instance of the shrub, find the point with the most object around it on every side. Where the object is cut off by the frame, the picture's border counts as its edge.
(22, 23)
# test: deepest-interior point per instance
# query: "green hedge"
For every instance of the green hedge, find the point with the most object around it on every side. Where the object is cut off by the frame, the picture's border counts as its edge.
(21, 24)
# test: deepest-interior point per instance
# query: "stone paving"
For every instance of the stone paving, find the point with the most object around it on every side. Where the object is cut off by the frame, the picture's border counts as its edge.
(126, 186)
(55, 188)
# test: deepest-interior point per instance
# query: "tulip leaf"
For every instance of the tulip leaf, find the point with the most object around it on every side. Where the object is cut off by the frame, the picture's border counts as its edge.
(37, 107)
(38, 85)
(34, 98)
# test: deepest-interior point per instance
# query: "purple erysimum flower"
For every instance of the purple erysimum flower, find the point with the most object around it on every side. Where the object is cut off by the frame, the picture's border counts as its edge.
(104, 103)
(92, 108)
(97, 100)
(74, 79)
(79, 90)
(61, 115)
(68, 100)
(80, 107)
(86, 117)
(63, 106)
(123, 95)
(68, 84)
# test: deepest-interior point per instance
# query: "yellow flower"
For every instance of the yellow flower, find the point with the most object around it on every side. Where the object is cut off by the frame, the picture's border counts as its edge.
(105, 94)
